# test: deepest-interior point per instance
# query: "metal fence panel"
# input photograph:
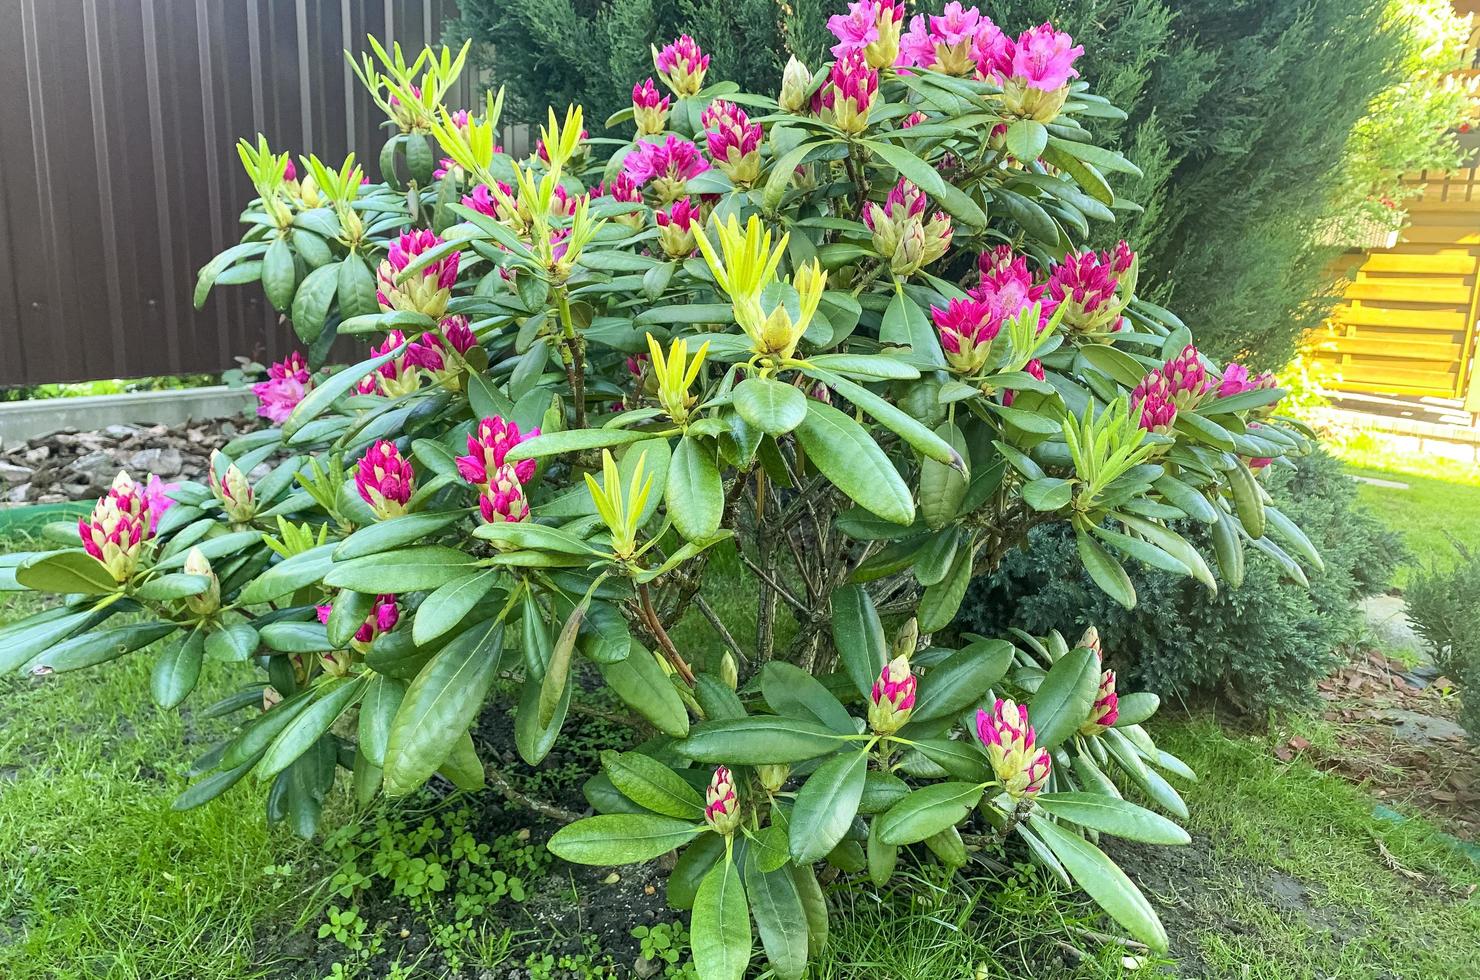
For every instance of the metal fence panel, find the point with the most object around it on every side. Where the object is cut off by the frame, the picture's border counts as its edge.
(118, 170)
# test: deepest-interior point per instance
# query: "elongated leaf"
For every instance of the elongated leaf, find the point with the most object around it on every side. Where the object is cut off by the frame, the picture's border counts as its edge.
(825, 806)
(92, 648)
(695, 493)
(640, 682)
(335, 387)
(290, 574)
(780, 918)
(405, 570)
(846, 454)
(648, 783)
(758, 740)
(383, 696)
(858, 636)
(720, 928)
(1107, 573)
(65, 572)
(439, 706)
(385, 535)
(1103, 881)
(1111, 815)
(961, 679)
(791, 691)
(928, 811)
(621, 838)
(1062, 701)
(308, 727)
(449, 603)
(177, 669)
(573, 440)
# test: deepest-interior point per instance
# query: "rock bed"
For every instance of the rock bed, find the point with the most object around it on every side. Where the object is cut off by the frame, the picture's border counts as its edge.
(72, 465)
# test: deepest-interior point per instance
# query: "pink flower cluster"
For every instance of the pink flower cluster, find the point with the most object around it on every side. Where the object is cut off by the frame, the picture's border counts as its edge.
(902, 234)
(385, 480)
(1088, 286)
(1040, 58)
(849, 94)
(869, 26)
(893, 697)
(1236, 380)
(499, 482)
(398, 376)
(384, 615)
(122, 520)
(733, 141)
(681, 65)
(499, 203)
(287, 382)
(427, 292)
(1020, 766)
(676, 228)
(953, 41)
(626, 190)
(1008, 285)
(1154, 403)
(430, 351)
(1180, 384)
(665, 166)
(967, 329)
(648, 110)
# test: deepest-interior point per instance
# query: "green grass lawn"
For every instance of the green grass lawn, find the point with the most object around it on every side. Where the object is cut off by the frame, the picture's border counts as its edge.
(1440, 499)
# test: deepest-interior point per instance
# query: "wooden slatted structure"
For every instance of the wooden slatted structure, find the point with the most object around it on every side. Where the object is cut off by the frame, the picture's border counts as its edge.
(1406, 323)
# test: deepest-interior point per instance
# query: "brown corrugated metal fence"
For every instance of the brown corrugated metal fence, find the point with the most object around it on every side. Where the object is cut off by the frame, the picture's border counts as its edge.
(119, 176)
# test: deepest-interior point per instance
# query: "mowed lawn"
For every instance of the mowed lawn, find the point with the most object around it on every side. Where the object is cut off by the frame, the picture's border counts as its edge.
(1439, 501)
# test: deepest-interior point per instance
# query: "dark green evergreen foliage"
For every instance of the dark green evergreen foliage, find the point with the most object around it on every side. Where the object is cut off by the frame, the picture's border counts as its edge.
(1444, 604)
(1259, 646)
(591, 52)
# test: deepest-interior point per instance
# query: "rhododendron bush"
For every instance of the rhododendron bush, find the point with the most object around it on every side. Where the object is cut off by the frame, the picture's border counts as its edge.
(851, 332)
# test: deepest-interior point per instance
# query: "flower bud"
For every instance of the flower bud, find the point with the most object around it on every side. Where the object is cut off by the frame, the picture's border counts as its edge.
(967, 328)
(1020, 766)
(850, 95)
(648, 110)
(1153, 403)
(1091, 641)
(907, 639)
(721, 808)
(1105, 710)
(892, 698)
(1093, 288)
(773, 777)
(115, 532)
(734, 142)
(676, 228)
(681, 65)
(231, 490)
(426, 291)
(205, 603)
(795, 81)
(384, 479)
(503, 499)
(728, 671)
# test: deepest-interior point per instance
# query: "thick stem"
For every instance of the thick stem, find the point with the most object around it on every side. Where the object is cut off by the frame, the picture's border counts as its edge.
(575, 357)
(660, 636)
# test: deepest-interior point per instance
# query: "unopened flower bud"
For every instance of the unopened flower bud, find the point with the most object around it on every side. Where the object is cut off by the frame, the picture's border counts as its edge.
(892, 698)
(795, 80)
(231, 490)
(907, 639)
(648, 110)
(1091, 641)
(773, 777)
(1020, 766)
(728, 672)
(1106, 709)
(204, 603)
(721, 808)
(384, 479)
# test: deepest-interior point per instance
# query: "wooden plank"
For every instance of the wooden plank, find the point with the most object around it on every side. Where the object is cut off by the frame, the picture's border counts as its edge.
(1414, 319)
(1444, 351)
(1448, 293)
(1451, 262)
(1383, 378)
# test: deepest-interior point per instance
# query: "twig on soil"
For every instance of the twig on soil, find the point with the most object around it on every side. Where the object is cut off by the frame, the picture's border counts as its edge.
(500, 782)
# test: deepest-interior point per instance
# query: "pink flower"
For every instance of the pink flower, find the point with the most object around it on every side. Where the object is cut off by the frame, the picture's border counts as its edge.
(1106, 709)
(949, 42)
(1041, 58)
(398, 376)
(648, 110)
(1093, 288)
(157, 499)
(1034, 368)
(287, 382)
(721, 808)
(457, 332)
(502, 499)
(967, 328)
(1008, 286)
(675, 228)
(487, 448)
(290, 172)
(913, 119)
(681, 66)
(1187, 379)
(385, 479)
(1020, 766)
(500, 203)
(850, 92)
(622, 188)
(384, 615)
(666, 166)
(427, 292)
(733, 140)
(120, 522)
(1154, 403)
(870, 26)
(892, 698)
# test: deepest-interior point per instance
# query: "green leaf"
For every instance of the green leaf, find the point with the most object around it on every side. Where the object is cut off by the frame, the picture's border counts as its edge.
(94, 648)
(825, 806)
(1136, 707)
(759, 740)
(1246, 499)
(926, 812)
(65, 572)
(573, 440)
(1110, 815)
(393, 533)
(780, 918)
(462, 767)
(309, 726)
(876, 366)
(958, 757)
(1062, 701)
(643, 686)
(439, 706)
(1107, 573)
(858, 636)
(531, 739)
(312, 299)
(177, 669)
(279, 274)
(331, 389)
(789, 690)
(1026, 139)
(355, 287)
(557, 668)
(943, 487)
(941, 601)
(648, 783)
(290, 574)
(1228, 548)
(383, 696)
(693, 864)
(958, 681)
(621, 838)
(449, 603)
(924, 176)
(1096, 155)
(1183, 497)
(523, 535)
(720, 927)
(1048, 494)
(881, 790)
(770, 406)
(906, 325)
(213, 269)
(1105, 883)
(848, 456)
(406, 570)
(695, 494)
(22, 640)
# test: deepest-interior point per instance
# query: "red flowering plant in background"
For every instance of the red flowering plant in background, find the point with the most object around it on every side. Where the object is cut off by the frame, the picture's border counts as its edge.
(854, 333)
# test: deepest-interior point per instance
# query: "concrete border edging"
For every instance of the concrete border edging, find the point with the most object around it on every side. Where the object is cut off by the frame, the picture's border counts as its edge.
(24, 420)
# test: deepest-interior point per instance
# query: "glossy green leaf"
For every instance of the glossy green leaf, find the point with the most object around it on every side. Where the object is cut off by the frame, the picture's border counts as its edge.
(1062, 701)
(780, 919)
(404, 570)
(758, 740)
(178, 668)
(770, 406)
(621, 838)
(928, 811)
(65, 572)
(793, 692)
(825, 806)
(695, 493)
(720, 928)
(310, 725)
(648, 783)
(1110, 815)
(848, 456)
(643, 686)
(1103, 881)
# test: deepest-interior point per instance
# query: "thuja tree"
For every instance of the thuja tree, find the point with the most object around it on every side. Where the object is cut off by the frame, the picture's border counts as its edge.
(845, 331)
